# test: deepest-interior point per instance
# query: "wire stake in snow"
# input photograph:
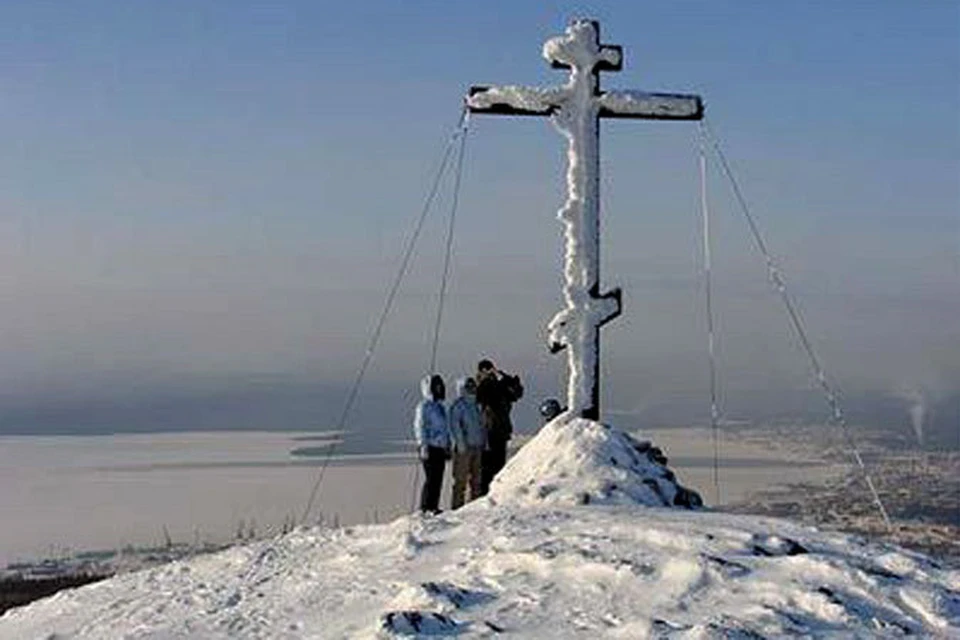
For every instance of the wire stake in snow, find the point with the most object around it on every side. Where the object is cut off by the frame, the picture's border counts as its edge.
(576, 109)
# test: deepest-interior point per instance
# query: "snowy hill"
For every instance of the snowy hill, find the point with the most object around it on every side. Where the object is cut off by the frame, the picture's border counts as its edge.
(574, 541)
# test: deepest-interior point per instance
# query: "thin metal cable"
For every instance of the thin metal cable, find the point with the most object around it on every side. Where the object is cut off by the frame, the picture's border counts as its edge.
(708, 294)
(458, 173)
(449, 244)
(777, 278)
(388, 305)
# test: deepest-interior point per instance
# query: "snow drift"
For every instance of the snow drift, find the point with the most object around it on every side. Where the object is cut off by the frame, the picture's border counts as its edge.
(575, 461)
(534, 559)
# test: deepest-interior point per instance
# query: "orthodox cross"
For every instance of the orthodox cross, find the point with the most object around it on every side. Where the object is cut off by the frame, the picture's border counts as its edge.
(576, 109)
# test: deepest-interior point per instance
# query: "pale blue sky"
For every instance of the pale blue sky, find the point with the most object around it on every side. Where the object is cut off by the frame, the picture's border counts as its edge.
(197, 195)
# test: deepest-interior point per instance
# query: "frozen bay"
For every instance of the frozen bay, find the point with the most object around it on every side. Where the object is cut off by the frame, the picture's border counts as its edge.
(65, 494)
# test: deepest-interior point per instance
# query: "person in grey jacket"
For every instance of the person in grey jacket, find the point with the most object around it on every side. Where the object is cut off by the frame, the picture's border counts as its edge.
(432, 433)
(469, 441)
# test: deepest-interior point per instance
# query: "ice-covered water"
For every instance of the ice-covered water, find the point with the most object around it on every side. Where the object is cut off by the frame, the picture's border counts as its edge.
(75, 493)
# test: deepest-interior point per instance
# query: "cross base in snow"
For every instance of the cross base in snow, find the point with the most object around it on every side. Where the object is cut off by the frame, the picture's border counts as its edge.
(576, 109)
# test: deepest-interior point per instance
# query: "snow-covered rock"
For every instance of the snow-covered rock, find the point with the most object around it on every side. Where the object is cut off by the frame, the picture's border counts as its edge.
(525, 563)
(576, 461)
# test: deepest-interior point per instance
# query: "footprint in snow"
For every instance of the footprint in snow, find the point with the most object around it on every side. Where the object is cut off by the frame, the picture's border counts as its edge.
(727, 568)
(419, 623)
(457, 596)
(776, 546)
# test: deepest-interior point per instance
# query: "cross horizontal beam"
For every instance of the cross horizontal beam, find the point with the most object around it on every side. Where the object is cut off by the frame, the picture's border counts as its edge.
(530, 101)
(650, 106)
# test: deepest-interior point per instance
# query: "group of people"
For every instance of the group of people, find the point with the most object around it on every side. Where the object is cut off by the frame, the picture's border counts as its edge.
(474, 432)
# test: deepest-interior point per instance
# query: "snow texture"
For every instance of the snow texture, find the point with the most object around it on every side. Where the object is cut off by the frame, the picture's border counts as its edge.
(530, 567)
(575, 461)
(527, 99)
(648, 105)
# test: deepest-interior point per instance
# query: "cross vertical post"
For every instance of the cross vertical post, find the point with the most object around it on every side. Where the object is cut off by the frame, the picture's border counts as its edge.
(575, 109)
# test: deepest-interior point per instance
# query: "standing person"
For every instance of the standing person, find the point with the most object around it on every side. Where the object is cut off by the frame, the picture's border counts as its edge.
(432, 434)
(469, 441)
(496, 393)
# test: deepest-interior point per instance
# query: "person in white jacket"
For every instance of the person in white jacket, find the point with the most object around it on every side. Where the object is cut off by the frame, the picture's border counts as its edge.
(469, 439)
(432, 433)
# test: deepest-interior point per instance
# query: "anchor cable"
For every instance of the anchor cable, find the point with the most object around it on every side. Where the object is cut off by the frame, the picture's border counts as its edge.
(708, 295)
(778, 279)
(448, 252)
(458, 174)
(374, 341)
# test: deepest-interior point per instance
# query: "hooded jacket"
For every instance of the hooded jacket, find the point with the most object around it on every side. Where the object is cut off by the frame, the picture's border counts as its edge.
(466, 425)
(430, 420)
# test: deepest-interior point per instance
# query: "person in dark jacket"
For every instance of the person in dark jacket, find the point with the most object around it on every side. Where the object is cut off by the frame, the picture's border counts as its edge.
(432, 433)
(496, 393)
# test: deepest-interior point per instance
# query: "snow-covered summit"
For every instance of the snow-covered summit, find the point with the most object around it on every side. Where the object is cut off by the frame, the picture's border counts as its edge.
(576, 461)
(532, 560)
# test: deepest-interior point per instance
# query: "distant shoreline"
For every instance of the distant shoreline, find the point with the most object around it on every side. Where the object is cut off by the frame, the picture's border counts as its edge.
(762, 472)
(109, 492)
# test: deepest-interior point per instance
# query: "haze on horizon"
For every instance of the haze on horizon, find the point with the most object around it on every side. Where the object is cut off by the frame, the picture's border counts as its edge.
(201, 208)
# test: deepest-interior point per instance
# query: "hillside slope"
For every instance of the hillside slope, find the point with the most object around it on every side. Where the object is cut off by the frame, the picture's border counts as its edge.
(572, 542)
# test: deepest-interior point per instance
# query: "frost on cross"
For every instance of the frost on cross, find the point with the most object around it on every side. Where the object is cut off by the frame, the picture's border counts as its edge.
(576, 109)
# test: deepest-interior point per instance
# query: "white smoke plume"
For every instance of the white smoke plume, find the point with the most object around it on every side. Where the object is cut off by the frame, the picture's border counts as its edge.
(917, 411)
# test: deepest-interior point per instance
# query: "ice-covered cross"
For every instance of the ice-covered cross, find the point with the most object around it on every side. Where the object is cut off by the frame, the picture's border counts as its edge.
(576, 109)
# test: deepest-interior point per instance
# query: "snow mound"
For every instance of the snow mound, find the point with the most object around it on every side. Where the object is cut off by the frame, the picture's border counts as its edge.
(576, 461)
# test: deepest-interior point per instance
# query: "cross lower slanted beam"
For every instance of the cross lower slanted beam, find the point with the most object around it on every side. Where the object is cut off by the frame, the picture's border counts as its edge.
(576, 109)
